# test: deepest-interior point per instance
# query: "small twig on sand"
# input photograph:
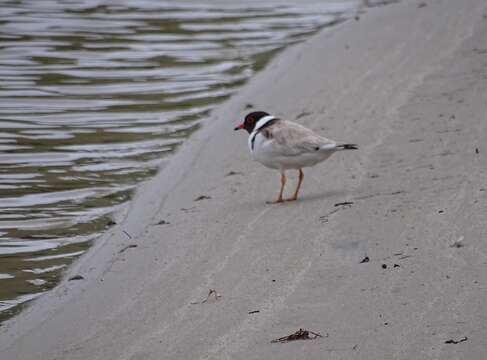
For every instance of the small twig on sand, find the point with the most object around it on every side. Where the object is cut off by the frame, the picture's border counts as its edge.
(451, 341)
(345, 203)
(301, 334)
(76, 277)
(212, 296)
(126, 233)
(127, 247)
(202, 197)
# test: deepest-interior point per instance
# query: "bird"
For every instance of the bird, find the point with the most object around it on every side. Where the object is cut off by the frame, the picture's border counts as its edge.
(284, 145)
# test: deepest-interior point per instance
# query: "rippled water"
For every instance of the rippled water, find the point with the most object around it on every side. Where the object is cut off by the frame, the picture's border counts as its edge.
(94, 95)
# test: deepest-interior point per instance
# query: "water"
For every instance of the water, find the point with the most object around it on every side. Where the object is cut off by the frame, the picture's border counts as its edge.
(95, 95)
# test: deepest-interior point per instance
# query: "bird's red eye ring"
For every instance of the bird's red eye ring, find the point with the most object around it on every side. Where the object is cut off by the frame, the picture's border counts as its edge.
(249, 120)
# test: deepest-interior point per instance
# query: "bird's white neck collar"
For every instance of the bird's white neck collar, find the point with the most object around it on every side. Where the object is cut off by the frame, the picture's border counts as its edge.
(263, 121)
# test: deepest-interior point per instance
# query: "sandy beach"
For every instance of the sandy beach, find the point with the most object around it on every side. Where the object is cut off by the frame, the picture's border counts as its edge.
(407, 82)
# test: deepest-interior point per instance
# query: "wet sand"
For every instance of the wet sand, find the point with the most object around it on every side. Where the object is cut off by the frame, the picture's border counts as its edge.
(406, 82)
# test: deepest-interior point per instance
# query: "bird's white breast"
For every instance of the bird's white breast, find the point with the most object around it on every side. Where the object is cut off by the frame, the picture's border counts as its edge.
(262, 151)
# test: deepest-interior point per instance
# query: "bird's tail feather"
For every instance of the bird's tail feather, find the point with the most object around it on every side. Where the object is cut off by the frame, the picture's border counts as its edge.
(347, 147)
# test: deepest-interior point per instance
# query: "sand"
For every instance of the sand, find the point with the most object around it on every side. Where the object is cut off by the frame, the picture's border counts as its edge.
(405, 82)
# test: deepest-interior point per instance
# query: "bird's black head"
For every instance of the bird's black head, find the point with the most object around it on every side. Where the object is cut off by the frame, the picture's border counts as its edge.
(250, 120)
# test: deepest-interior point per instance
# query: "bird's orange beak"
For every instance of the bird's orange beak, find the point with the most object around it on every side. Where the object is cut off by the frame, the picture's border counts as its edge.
(240, 127)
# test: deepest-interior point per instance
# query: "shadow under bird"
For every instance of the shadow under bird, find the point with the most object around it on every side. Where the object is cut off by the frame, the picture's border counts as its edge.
(284, 145)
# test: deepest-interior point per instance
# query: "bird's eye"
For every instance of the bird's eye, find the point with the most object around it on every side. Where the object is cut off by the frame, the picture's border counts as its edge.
(250, 120)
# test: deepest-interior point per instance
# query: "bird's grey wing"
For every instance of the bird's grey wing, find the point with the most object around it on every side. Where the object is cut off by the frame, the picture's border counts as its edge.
(293, 139)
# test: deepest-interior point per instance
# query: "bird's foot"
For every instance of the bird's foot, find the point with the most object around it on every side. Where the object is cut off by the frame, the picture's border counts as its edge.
(294, 198)
(278, 201)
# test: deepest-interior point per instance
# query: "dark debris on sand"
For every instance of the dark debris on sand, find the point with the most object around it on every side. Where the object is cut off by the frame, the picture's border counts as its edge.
(76, 277)
(452, 341)
(202, 197)
(301, 334)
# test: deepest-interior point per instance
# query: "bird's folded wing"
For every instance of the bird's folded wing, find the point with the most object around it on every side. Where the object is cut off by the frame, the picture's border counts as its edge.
(293, 139)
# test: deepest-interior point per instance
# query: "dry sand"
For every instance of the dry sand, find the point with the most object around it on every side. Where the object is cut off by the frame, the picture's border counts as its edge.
(407, 83)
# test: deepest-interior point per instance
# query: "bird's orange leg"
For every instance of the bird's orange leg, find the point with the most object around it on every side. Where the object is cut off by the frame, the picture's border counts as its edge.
(283, 183)
(300, 180)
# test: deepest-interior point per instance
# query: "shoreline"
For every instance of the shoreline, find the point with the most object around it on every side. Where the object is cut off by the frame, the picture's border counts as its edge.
(299, 264)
